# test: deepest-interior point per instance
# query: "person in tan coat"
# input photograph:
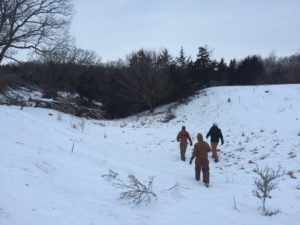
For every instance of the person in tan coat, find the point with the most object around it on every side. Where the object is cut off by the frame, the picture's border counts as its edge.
(183, 137)
(200, 152)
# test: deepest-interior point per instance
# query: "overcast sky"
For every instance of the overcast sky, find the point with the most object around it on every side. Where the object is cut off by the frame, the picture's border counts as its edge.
(232, 28)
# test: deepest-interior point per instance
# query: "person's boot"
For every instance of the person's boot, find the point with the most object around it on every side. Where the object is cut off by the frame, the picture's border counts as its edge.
(206, 185)
(216, 160)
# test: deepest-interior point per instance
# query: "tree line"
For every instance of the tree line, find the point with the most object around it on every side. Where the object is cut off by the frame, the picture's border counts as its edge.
(145, 79)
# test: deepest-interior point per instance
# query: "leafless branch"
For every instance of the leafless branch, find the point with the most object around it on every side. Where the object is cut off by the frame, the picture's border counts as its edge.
(39, 25)
(111, 175)
(136, 192)
(178, 186)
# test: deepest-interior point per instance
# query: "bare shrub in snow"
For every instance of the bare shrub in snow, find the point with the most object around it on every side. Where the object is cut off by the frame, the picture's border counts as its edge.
(59, 116)
(135, 192)
(169, 116)
(264, 184)
(73, 124)
(82, 123)
(111, 175)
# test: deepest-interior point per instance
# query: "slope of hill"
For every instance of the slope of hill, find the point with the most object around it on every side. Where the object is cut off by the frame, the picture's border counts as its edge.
(51, 169)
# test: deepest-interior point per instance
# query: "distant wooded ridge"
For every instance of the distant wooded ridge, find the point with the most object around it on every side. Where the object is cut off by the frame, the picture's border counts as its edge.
(145, 79)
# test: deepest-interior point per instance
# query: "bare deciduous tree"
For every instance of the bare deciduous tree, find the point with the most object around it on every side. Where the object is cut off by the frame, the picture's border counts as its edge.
(145, 83)
(265, 183)
(72, 55)
(38, 25)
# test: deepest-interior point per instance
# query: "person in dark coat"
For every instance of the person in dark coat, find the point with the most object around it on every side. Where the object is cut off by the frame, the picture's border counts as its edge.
(200, 152)
(183, 137)
(215, 135)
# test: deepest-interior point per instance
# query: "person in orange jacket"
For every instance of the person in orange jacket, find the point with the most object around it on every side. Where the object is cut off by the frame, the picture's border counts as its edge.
(183, 137)
(200, 152)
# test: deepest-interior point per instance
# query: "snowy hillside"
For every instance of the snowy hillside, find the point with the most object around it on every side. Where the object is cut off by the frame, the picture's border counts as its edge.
(51, 170)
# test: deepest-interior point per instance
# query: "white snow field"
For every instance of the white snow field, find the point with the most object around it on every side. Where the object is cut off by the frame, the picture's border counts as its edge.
(42, 182)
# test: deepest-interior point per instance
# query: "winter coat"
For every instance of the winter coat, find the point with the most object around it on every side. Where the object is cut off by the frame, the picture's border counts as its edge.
(200, 151)
(183, 136)
(215, 134)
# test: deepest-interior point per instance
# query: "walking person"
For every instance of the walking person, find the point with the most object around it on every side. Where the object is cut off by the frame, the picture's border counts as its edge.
(200, 152)
(215, 134)
(183, 137)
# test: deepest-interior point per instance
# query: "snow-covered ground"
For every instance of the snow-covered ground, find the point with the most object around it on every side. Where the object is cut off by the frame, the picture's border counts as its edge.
(51, 173)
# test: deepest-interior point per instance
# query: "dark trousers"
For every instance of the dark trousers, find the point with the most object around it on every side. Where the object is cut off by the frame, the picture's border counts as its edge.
(202, 165)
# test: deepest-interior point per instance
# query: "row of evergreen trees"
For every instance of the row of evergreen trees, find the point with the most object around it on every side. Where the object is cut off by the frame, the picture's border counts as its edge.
(146, 78)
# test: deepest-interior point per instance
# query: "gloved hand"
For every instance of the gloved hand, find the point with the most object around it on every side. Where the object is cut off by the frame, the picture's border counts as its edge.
(191, 162)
